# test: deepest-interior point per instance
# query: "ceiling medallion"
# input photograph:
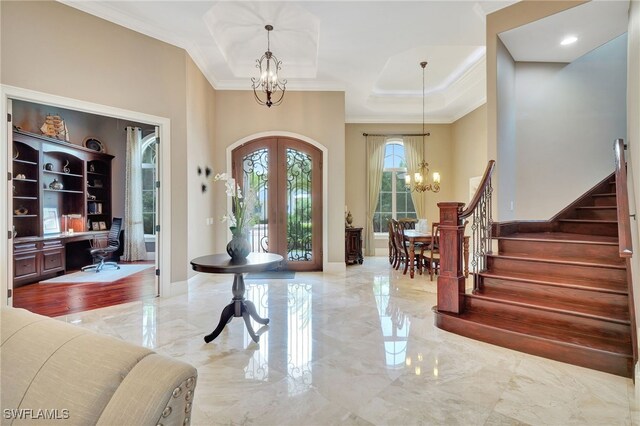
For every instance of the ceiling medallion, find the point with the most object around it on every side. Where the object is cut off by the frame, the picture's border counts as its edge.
(268, 89)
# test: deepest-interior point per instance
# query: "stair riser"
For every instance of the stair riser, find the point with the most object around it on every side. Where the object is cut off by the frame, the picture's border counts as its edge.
(599, 214)
(606, 229)
(554, 250)
(589, 326)
(585, 357)
(539, 293)
(504, 266)
(604, 201)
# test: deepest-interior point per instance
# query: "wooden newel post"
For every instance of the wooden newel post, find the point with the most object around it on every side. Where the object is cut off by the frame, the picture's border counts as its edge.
(451, 281)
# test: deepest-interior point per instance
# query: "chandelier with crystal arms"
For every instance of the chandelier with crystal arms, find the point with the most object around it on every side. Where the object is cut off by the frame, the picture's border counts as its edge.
(420, 178)
(268, 89)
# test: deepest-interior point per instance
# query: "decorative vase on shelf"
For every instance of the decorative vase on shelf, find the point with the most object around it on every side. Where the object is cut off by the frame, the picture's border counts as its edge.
(56, 185)
(238, 248)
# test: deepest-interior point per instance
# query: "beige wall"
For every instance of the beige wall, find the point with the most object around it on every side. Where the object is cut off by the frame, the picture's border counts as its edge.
(516, 15)
(200, 153)
(52, 48)
(438, 152)
(469, 157)
(315, 115)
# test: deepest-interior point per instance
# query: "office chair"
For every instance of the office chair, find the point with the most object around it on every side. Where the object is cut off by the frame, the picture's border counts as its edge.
(113, 244)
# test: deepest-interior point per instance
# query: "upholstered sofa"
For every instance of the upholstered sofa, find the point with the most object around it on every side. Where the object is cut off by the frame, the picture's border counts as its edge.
(57, 373)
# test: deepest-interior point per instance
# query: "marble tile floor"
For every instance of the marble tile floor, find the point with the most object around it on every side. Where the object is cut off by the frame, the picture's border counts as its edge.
(357, 348)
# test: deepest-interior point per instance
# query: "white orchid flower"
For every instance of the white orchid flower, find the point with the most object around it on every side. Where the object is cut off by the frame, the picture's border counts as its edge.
(220, 176)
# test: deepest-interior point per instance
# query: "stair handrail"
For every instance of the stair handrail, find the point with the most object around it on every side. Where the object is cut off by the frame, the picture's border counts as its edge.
(451, 281)
(484, 184)
(625, 248)
(622, 200)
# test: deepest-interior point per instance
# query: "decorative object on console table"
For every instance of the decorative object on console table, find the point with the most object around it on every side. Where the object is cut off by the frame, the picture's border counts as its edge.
(240, 217)
(353, 245)
(349, 220)
(238, 248)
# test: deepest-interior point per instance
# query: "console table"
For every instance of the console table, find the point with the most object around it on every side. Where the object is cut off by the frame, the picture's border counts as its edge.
(353, 245)
(239, 306)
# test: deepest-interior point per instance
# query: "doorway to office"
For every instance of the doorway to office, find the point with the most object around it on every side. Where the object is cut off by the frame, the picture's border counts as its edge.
(151, 171)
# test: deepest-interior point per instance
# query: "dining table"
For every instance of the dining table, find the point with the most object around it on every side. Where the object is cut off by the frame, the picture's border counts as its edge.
(412, 237)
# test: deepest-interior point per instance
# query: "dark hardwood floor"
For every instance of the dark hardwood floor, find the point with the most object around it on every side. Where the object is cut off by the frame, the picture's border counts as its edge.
(61, 299)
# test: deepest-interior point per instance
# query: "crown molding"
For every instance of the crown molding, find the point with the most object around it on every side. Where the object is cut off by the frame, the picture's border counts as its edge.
(395, 119)
(103, 11)
(297, 86)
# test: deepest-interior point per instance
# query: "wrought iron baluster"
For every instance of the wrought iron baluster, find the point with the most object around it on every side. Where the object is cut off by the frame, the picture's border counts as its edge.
(482, 223)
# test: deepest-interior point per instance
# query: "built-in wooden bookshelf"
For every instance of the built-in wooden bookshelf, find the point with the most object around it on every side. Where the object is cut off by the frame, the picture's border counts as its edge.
(52, 181)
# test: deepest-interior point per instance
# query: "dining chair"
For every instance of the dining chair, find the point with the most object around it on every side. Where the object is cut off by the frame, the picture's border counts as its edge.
(403, 247)
(393, 253)
(408, 222)
(432, 260)
(399, 253)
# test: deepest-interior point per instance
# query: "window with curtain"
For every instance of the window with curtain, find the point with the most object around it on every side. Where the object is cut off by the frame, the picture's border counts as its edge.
(394, 200)
(148, 185)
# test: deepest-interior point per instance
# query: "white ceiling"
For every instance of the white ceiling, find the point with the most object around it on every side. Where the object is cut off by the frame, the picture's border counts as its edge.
(593, 23)
(369, 49)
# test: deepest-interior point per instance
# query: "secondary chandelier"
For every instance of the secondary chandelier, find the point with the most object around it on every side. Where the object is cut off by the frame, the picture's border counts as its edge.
(420, 183)
(268, 82)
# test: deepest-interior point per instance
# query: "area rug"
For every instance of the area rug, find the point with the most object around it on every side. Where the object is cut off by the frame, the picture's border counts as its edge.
(271, 275)
(104, 276)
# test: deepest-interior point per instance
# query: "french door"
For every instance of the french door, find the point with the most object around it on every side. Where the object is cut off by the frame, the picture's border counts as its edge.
(286, 176)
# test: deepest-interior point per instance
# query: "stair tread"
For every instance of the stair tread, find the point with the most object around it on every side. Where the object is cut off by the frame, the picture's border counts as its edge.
(588, 221)
(565, 237)
(555, 304)
(596, 208)
(616, 263)
(561, 336)
(594, 284)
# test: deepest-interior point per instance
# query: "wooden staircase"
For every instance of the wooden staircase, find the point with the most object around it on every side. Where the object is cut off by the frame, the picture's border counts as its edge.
(558, 289)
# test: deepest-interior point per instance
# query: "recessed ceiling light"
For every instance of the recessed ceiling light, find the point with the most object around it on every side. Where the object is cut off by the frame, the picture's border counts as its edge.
(569, 40)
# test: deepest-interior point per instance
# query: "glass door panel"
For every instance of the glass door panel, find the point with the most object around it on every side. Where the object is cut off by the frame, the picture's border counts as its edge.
(299, 206)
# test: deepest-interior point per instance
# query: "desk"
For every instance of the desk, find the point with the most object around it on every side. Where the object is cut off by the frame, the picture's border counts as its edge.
(39, 258)
(414, 237)
(239, 307)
